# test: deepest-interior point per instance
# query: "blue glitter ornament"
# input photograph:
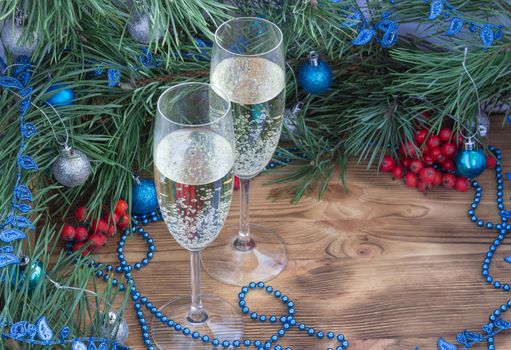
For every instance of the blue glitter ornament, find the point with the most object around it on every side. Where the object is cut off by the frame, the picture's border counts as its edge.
(64, 97)
(470, 162)
(144, 196)
(315, 76)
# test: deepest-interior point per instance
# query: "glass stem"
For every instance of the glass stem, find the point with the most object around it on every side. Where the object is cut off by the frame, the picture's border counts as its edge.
(197, 313)
(244, 240)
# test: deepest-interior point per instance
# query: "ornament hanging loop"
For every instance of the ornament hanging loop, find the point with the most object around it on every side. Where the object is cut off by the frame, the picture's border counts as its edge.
(67, 150)
(464, 64)
(24, 261)
(313, 58)
(20, 17)
(469, 144)
(297, 108)
(136, 178)
(473, 126)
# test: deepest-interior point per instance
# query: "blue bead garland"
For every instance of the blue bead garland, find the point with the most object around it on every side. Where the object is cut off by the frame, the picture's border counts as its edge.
(287, 321)
(496, 324)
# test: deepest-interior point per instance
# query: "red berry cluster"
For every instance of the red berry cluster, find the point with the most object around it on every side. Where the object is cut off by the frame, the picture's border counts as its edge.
(95, 231)
(433, 166)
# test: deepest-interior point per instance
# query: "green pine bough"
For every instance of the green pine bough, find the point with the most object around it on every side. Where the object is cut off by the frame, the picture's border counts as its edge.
(375, 99)
(84, 312)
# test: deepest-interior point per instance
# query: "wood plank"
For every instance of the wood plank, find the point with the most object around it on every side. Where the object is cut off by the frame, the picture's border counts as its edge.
(388, 266)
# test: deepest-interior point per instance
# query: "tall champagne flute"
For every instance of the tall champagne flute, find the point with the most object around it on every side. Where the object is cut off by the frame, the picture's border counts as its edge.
(193, 170)
(248, 63)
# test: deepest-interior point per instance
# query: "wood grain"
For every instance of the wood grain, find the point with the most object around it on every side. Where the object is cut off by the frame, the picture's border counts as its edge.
(388, 266)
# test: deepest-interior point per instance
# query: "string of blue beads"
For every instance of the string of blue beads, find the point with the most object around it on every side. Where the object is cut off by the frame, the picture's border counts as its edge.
(287, 321)
(105, 271)
(502, 228)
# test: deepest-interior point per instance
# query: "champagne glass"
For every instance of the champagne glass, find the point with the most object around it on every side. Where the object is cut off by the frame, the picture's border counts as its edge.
(193, 170)
(248, 63)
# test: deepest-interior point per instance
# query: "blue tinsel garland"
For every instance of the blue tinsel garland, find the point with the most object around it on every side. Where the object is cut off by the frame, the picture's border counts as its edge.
(11, 229)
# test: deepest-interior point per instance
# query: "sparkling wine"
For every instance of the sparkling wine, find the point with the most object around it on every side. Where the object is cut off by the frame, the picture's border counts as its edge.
(256, 87)
(194, 180)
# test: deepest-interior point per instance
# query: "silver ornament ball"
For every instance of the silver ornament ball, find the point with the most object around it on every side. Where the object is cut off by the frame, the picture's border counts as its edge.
(14, 39)
(141, 29)
(71, 168)
(116, 328)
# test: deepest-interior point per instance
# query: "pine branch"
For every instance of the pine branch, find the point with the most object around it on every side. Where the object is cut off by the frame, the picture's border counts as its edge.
(60, 306)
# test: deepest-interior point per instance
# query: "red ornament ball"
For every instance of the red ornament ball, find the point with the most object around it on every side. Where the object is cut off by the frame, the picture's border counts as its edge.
(427, 175)
(411, 180)
(387, 164)
(448, 181)
(407, 149)
(68, 233)
(445, 134)
(433, 141)
(111, 231)
(405, 162)
(420, 136)
(80, 234)
(111, 218)
(97, 240)
(461, 184)
(81, 214)
(424, 187)
(398, 172)
(124, 222)
(449, 149)
(449, 165)
(438, 178)
(416, 165)
(436, 153)
(491, 162)
(428, 159)
(122, 207)
(99, 226)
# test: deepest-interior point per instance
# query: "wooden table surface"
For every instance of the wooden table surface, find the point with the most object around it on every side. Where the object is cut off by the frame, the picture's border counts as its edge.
(386, 265)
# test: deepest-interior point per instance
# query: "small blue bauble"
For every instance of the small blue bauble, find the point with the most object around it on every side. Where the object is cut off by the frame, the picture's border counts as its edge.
(64, 97)
(144, 196)
(470, 163)
(315, 76)
(36, 274)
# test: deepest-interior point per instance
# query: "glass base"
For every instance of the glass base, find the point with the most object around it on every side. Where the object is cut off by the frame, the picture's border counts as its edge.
(260, 260)
(223, 322)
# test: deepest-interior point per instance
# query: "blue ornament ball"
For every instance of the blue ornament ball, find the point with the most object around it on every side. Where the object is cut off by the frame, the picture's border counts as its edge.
(19, 276)
(470, 163)
(315, 76)
(64, 97)
(144, 197)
